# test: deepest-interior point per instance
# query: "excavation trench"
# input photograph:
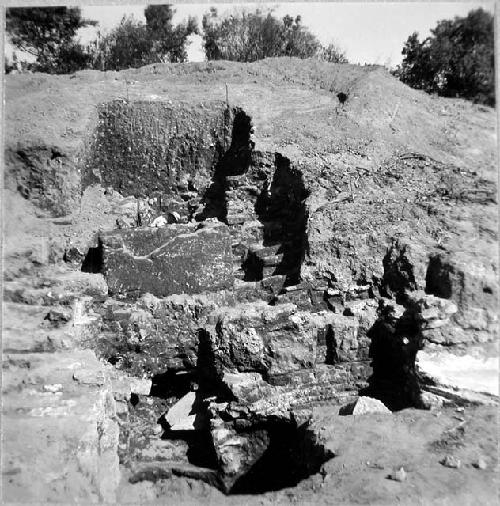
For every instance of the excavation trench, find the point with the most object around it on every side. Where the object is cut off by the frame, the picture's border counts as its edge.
(194, 166)
(278, 453)
(236, 235)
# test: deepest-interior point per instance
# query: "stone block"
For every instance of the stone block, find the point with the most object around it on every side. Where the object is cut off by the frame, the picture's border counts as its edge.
(365, 406)
(169, 260)
(280, 340)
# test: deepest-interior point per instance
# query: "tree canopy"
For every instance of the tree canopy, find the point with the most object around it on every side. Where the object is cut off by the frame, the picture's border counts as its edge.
(49, 34)
(457, 60)
(46, 33)
(132, 44)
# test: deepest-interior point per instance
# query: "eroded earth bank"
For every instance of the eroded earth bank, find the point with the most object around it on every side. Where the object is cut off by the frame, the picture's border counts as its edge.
(291, 296)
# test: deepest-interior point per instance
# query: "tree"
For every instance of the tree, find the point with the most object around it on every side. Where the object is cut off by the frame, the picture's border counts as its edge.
(133, 44)
(251, 36)
(457, 60)
(298, 40)
(127, 45)
(47, 33)
(169, 42)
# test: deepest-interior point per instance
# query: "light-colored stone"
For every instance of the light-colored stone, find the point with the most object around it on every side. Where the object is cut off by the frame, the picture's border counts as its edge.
(54, 388)
(140, 386)
(368, 405)
(180, 416)
(159, 222)
(451, 462)
(89, 376)
(399, 475)
(431, 401)
(481, 463)
(237, 453)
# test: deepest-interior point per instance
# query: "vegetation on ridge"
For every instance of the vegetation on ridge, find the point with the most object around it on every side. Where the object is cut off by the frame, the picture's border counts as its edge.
(456, 60)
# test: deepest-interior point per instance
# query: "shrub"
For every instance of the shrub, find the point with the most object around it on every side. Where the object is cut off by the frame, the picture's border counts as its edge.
(251, 36)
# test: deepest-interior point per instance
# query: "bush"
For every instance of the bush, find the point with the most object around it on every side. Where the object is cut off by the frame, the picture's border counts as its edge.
(332, 54)
(251, 36)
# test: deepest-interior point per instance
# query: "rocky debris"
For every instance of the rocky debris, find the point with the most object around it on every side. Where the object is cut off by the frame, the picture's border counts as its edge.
(451, 462)
(277, 340)
(432, 312)
(261, 452)
(124, 386)
(74, 255)
(399, 475)
(237, 452)
(471, 283)
(61, 291)
(164, 261)
(481, 463)
(58, 317)
(431, 401)
(157, 335)
(365, 406)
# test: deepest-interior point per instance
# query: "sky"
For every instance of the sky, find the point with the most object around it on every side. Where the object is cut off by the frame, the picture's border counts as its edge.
(368, 32)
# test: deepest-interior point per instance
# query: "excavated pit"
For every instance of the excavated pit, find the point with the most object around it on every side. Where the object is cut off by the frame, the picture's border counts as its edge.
(198, 168)
(292, 456)
(292, 453)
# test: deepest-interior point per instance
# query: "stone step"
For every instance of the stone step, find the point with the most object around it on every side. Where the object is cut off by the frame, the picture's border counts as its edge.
(237, 203)
(239, 274)
(273, 282)
(299, 297)
(272, 260)
(235, 181)
(58, 401)
(161, 469)
(261, 251)
(190, 196)
(237, 219)
(268, 271)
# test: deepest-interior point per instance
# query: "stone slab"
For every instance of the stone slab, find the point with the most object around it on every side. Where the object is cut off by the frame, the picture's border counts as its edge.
(170, 260)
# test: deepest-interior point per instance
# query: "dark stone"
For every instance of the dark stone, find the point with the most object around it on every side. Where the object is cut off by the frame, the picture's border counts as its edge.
(170, 260)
